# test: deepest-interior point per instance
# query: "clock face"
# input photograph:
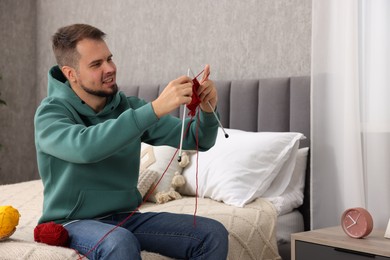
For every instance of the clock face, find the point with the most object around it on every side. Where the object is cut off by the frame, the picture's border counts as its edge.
(357, 222)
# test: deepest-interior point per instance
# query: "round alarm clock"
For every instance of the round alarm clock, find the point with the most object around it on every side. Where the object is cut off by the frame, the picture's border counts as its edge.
(357, 222)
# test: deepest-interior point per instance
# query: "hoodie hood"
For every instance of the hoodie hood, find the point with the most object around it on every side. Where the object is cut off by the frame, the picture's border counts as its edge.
(59, 87)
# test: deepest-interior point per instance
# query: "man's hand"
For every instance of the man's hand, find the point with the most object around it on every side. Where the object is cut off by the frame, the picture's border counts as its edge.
(177, 92)
(207, 92)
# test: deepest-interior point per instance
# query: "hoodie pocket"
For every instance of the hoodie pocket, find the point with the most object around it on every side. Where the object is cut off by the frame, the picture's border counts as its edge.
(95, 203)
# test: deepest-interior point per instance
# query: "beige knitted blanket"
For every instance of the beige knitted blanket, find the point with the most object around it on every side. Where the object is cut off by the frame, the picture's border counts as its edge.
(252, 233)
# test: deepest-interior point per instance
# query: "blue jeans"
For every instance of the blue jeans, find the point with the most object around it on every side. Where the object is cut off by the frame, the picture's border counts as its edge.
(172, 235)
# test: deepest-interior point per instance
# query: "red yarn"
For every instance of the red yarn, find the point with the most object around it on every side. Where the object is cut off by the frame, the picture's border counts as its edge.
(195, 98)
(52, 234)
(192, 107)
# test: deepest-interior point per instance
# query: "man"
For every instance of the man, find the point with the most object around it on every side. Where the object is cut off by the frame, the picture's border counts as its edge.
(88, 137)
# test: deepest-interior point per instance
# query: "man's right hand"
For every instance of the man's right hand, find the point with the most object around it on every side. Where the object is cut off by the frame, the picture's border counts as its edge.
(178, 92)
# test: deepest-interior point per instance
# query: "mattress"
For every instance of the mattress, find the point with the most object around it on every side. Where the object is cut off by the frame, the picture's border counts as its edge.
(288, 224)
(252, 233)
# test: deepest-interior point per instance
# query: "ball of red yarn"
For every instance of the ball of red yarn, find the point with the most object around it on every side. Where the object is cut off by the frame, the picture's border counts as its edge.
(52, 234)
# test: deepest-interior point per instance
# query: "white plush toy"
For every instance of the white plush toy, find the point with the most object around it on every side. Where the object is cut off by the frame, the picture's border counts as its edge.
(177, 181)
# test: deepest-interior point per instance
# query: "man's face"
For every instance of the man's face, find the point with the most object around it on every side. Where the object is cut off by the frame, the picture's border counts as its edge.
(96, 73)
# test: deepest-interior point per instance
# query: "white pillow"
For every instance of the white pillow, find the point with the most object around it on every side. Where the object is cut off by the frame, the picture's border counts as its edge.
(282, 180)
(292, 197)
(242, 167)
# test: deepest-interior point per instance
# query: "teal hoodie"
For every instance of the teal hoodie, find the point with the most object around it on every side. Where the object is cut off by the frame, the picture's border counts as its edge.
(88, 161)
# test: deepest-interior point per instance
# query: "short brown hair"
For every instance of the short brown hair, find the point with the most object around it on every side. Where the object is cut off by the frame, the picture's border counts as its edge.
(64, 42)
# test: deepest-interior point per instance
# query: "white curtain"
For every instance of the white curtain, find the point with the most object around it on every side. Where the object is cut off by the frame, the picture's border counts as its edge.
(350, 109)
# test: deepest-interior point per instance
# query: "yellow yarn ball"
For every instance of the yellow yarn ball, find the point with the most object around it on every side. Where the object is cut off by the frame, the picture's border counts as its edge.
(9, 219)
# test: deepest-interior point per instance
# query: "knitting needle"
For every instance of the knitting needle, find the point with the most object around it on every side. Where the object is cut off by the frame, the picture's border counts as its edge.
(219, 122)
(182, 126)
(211, 107)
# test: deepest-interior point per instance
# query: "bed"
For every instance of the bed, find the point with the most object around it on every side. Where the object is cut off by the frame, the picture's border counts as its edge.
(264, 112)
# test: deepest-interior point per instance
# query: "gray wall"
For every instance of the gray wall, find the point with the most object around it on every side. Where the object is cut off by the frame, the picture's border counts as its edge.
(152, 42)
(18, 89)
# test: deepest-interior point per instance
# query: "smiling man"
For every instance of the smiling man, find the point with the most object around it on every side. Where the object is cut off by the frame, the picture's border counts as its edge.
(88, 137)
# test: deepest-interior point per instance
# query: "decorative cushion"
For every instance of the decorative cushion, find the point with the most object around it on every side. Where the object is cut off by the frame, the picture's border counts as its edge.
(145, 181)
(241, 168)
(159, 161)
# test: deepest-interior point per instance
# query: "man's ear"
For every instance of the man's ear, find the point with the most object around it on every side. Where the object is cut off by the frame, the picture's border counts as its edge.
(69, 73)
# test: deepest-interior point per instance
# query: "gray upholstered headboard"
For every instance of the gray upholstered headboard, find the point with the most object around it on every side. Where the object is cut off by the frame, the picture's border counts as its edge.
(274, 104)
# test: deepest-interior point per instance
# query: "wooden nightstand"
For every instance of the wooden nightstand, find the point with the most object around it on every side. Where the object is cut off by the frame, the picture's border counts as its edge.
(333, 243)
